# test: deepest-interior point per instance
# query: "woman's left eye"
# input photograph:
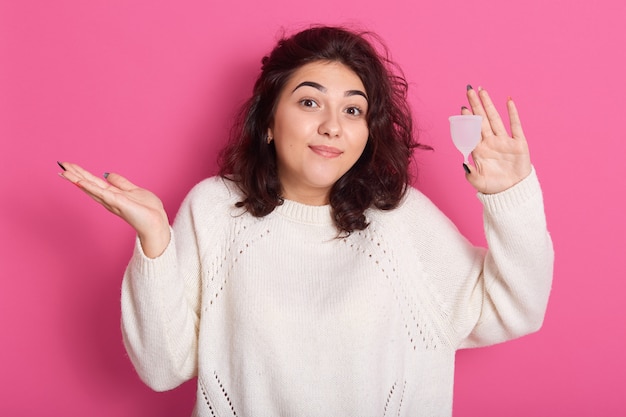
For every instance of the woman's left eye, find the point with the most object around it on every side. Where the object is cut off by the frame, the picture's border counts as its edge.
(354, 111)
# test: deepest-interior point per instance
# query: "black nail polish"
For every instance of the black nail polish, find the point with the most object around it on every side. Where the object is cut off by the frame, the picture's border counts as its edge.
(466, 168)
(105, 175)
(464, 108)
(469, 87)
(61, 165)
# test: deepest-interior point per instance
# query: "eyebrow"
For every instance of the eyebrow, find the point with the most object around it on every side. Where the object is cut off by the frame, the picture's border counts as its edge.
(323, 89)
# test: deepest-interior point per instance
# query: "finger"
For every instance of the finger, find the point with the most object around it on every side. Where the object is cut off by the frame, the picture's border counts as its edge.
(91, 185)
(75, 173)
(516, 124)
(88, 187)
(495, 121)
(109, 198)
(478, 109)
(94, 192)
(73, 177)
(120, 182)
(466, 112)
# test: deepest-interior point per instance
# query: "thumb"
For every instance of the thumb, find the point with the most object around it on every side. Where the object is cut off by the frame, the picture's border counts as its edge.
(472, 176)
(119, 181)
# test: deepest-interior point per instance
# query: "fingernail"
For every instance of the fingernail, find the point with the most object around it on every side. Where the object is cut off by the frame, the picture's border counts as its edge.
(466, 168)
(509, 98)
(469, 87)
(61, 165)
(464, 108)
(105, 175)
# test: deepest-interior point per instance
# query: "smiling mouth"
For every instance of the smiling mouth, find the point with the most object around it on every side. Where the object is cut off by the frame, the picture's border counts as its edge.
(326, 151)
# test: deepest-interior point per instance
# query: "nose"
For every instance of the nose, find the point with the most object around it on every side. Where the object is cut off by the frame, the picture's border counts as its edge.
(330, 125)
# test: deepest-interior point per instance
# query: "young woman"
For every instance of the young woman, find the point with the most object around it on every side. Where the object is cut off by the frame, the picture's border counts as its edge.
(309, 278)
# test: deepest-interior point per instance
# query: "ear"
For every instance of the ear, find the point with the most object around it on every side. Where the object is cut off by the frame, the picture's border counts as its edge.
(270, 135)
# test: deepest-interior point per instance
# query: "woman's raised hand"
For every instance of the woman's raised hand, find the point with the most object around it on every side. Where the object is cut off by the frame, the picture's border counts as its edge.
(500, 160)
(138, 207)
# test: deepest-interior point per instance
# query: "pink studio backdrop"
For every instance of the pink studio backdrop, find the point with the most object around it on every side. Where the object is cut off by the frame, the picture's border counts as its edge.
(147, 89)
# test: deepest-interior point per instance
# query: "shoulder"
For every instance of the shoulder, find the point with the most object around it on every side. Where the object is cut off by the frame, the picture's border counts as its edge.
(216, 187)
(415, 198)
(414, 212)
(212, 195)
(413, 203)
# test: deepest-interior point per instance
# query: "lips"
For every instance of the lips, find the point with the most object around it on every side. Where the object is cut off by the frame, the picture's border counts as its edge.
(326, 151)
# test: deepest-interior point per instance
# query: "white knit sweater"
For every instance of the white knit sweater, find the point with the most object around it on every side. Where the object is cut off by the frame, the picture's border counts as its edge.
(277, 316)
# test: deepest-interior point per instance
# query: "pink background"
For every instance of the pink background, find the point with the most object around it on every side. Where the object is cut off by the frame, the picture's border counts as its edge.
(147, 89)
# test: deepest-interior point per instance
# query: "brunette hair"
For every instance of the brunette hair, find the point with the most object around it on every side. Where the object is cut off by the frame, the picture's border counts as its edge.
(379, 178)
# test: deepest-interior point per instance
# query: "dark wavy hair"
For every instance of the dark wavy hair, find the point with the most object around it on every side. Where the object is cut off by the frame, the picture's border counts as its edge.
(379, 178)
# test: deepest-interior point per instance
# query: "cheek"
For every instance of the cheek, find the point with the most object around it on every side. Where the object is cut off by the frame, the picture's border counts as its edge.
(286, 153)
(361, 143)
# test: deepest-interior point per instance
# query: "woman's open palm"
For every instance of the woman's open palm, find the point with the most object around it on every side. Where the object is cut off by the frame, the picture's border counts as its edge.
(500, 160)
(138, 207)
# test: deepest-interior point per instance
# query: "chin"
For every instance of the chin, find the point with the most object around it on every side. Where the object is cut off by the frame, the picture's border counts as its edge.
(324, 182)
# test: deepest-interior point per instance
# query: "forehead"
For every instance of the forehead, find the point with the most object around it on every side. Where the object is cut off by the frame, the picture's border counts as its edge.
(332, 75)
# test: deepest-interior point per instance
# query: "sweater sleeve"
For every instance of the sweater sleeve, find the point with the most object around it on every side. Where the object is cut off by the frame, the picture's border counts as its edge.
(160, 303)
(517, 268)
(487, 296)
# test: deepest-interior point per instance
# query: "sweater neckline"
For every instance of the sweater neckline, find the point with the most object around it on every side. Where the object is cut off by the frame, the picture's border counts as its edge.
(305, 213)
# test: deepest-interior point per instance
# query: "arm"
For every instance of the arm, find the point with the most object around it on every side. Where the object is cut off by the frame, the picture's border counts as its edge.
(517, 269)
(487, 296)
(511, 298)
(495, 295)
(160, 302)
(160, 289)
(161, 305)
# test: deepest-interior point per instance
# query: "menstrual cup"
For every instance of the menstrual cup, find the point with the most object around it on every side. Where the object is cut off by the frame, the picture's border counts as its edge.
(465, 132)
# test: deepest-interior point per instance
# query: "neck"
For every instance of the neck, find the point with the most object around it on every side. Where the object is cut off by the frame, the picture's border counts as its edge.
(312, 198)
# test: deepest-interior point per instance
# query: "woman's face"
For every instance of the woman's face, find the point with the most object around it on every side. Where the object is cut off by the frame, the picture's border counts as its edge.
(319, 129)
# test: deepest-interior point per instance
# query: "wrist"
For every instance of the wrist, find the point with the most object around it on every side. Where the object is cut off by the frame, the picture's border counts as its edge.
(155, 242)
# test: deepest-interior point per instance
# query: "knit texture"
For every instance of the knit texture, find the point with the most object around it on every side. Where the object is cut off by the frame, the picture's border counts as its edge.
(280, 316)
